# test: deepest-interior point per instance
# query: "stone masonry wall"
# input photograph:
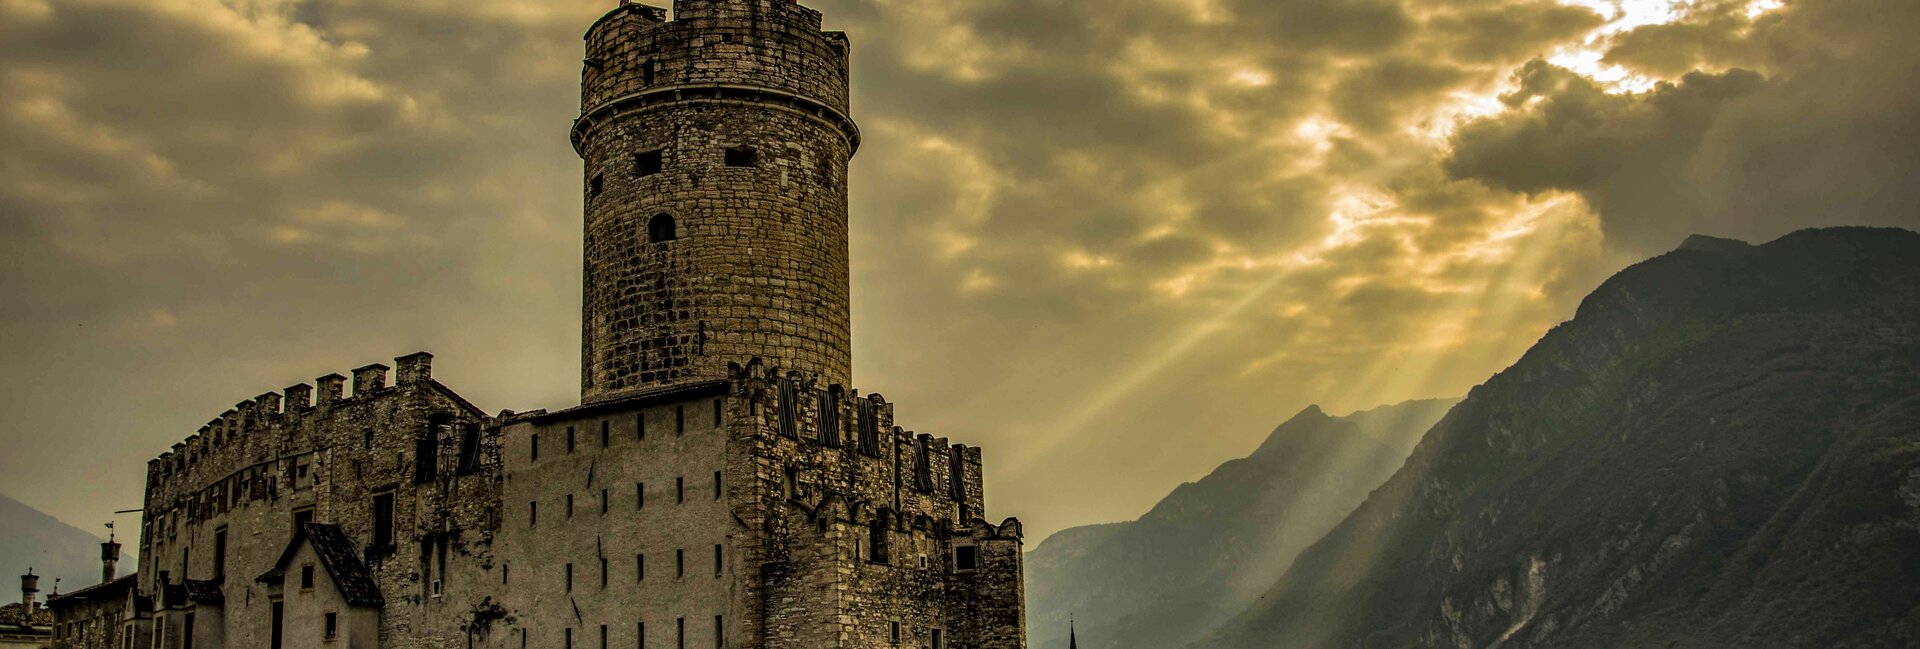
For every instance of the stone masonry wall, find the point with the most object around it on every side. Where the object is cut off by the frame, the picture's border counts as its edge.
(329, 453)
(858, 539)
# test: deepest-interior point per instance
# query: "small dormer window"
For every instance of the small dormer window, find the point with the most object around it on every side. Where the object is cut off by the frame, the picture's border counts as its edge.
(743, 157)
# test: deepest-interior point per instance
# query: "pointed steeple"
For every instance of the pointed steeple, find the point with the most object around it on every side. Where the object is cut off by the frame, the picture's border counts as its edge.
(1073, 642)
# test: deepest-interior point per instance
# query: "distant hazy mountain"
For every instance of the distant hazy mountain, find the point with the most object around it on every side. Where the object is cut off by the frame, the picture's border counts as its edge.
(30, 539)
(1203, 553)
(1721, 449)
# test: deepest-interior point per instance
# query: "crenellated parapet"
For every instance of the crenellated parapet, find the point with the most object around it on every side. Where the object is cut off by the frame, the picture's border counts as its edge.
(255, 448)
(831, 441)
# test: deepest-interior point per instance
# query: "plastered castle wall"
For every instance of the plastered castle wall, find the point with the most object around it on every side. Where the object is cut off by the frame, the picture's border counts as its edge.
(754, 263)
(615, 512)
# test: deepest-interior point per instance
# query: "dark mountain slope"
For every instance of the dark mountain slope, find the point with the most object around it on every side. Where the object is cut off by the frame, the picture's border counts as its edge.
(1210, 546)
(1721, 449)
(53, 549)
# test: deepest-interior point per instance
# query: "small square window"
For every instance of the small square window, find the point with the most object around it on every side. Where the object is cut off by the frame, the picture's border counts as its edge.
(648, 163)
(966, 558)
(743, 157)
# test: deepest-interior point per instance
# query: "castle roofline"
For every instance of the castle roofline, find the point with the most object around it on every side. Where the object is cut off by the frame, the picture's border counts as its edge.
(649, 397)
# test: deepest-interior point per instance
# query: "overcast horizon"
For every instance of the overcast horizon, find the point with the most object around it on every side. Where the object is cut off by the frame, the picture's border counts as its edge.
(1111, 243)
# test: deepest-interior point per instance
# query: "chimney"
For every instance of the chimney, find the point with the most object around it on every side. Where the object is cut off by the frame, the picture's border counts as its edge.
(109, 559)
(414, 368)
(29, 586)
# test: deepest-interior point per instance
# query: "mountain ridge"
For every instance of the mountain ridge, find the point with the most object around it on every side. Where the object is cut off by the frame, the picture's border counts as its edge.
(1208, 545)
(1717, 450)
(30, 538)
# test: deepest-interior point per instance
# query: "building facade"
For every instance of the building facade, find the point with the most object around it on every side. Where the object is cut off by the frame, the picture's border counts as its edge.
(721, 483)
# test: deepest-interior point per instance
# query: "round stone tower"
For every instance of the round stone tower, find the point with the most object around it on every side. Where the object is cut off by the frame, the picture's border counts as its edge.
(716, 148)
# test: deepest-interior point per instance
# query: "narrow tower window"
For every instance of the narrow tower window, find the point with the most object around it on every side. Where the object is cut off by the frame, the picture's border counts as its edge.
(597, 185)
(742, 157)
(660, 229)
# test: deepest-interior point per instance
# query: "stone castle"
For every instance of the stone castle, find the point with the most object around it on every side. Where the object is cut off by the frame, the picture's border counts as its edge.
(719, 486)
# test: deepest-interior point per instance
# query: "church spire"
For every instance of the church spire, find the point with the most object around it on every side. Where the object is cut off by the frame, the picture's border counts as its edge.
(1072, 641)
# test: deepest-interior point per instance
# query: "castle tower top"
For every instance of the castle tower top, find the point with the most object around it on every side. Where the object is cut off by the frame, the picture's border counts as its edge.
(715, 147)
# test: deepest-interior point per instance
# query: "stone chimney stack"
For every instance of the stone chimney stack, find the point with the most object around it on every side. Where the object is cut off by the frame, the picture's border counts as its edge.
(109, 559)
(29, 587)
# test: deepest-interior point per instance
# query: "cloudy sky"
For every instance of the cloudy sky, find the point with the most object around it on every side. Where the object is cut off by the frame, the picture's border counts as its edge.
(1114, 242)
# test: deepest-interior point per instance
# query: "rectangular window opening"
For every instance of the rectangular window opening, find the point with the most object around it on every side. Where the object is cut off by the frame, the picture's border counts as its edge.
(383, 519)
(647, 163)
(742, 157)
(966, 558)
